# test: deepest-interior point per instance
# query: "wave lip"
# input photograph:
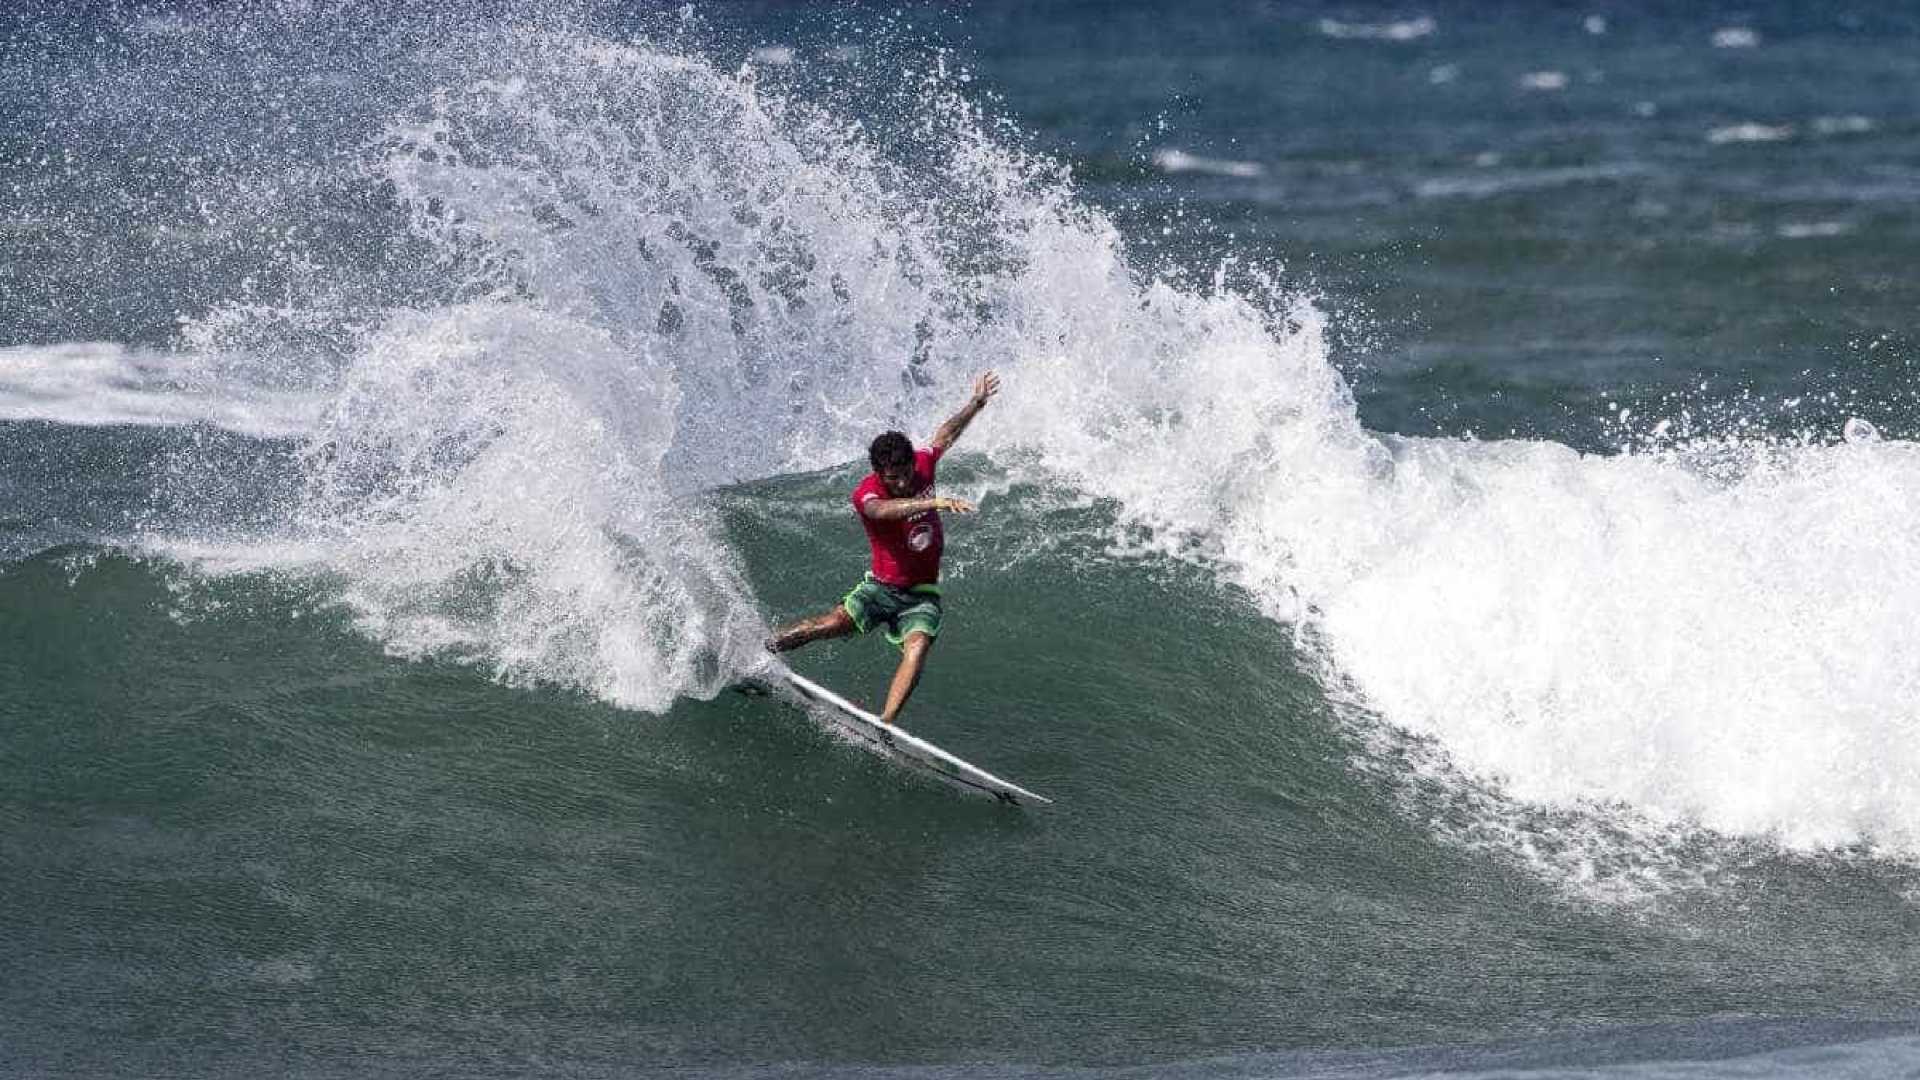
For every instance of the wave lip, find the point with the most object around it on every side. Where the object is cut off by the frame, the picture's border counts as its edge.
(1751, 132)
(98, 384)
(1811, 230)
(1491, 184)
(1397, 30)
(1169, 160)
(1843, 125)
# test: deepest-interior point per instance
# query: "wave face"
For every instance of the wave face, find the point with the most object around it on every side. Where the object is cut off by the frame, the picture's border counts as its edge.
(659, 277)
(681, 258)
(540, 288)
(571, 281)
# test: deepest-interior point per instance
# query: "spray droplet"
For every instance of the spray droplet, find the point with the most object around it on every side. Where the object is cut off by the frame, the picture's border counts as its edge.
(1859, 431)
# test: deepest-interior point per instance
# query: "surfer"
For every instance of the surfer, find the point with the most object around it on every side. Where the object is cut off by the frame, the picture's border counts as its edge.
(901, 514)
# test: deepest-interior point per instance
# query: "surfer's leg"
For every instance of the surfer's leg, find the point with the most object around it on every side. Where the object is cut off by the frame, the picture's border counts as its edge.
(835, 623)
(856, 614)
(913, 656)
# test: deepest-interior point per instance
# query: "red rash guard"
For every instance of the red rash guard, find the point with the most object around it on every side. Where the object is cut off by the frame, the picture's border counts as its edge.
(905, 552)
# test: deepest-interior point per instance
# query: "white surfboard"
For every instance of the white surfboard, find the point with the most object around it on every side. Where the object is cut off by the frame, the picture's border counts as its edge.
(900, 745)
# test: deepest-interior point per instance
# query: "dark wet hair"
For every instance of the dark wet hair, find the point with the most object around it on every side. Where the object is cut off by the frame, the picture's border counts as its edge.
(892, 448)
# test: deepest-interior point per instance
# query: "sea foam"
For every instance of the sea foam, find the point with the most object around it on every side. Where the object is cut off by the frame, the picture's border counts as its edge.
(101, 383)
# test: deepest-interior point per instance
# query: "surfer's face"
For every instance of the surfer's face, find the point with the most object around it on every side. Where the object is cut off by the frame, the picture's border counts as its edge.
(899, 479)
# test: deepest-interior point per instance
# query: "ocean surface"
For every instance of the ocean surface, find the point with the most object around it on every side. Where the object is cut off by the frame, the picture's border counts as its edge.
(1447, 538)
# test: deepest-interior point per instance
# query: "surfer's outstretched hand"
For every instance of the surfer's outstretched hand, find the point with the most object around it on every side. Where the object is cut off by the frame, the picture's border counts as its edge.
(954, 506)
(985, 387)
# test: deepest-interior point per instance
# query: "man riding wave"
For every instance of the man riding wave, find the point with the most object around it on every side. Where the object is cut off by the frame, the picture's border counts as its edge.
(901, 514)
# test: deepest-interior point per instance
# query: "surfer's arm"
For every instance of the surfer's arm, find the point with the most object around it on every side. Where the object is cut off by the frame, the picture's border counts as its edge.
(983, 388)
(896, 509)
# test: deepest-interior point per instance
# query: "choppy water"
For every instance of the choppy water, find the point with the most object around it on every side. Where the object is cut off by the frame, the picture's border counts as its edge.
(1447, 539)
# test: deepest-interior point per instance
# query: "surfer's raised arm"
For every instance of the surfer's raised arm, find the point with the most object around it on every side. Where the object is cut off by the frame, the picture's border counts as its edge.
(983, 388)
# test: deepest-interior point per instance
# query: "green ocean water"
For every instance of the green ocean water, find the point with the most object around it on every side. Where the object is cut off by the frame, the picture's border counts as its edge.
(241, 838)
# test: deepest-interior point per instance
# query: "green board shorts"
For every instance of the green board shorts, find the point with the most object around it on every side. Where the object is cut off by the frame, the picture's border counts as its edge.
(915, 609)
